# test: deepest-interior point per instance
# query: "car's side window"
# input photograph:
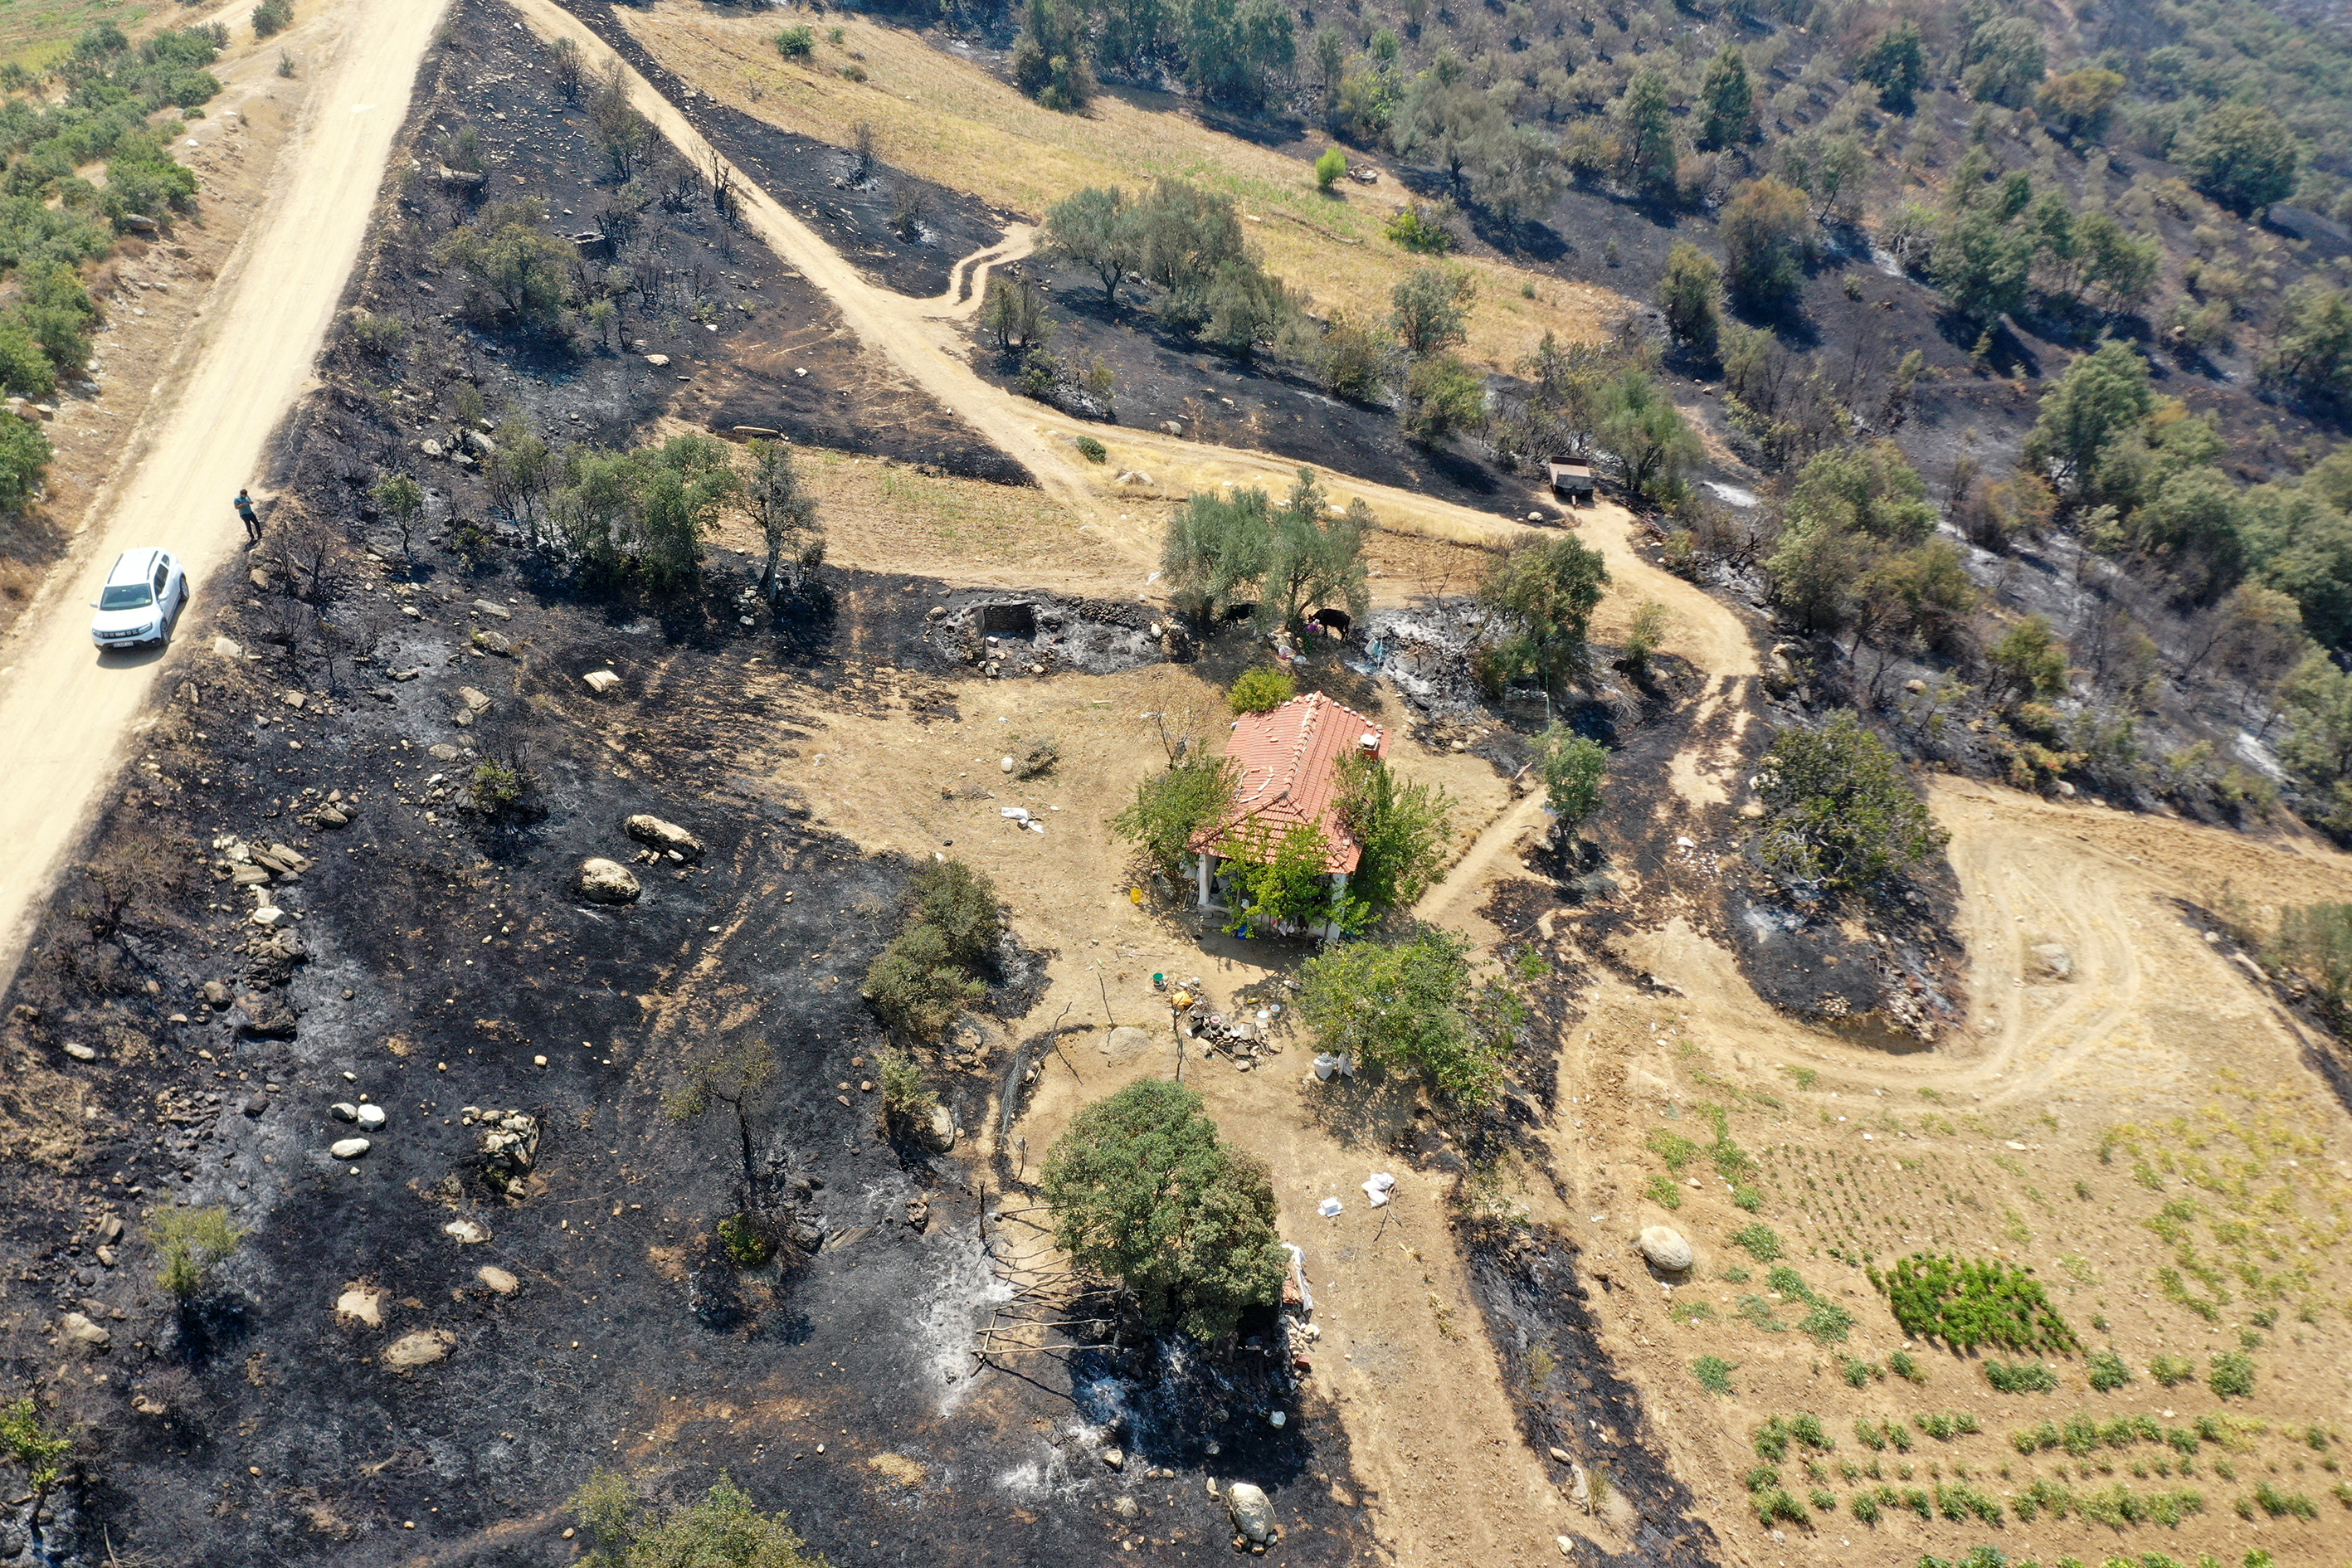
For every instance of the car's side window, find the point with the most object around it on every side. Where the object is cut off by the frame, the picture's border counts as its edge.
(162, 575)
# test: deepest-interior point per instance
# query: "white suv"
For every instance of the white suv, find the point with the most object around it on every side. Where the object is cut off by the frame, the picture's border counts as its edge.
(143, 598)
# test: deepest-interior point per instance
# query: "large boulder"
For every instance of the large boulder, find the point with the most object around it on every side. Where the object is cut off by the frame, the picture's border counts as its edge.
(664, 836)
(422, 1348)
(1253, 1514)
(89, 1335)
(941, 1132)
(2048, 961)
(1665, 1248)
(603, 881)
(1126, 1044)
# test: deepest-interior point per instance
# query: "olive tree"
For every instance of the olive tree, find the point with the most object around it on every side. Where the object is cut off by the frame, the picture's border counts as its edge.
(1143, 1190)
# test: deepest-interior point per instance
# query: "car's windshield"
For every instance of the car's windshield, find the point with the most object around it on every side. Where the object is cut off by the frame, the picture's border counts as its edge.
(126, 596)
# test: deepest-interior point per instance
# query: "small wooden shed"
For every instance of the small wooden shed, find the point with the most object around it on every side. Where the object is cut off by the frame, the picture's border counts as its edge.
(1571, 481)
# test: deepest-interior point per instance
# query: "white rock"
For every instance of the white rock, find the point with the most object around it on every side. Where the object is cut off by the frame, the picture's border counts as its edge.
(349, 1148)
(1253, 1514)
(661, 835)
(361, 1304)
(498, 1279)
(82, 1330)
(81, 1052)
(343, 1110)
(603, 881)
(228, 648)
(370, 1117)
(268, 915)
(422, 1348)
(1664, 1247)
(600, 681)
(2050, 961)
(467, 1232)
(1006, 764)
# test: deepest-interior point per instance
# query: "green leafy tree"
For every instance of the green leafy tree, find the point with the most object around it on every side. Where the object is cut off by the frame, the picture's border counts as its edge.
(1980, 263)
(1143, 1190)
(1096, 228)
(1851, 511)
(1687, 292)
(1895, 63)
(1316, 558)
(1330, 168)
(1277, 879)
(1766, 235)
(1572, 769)
(190, 1244)
(1645, 133)
(642, 516)
(1838, 810)
(1217, 550)
(1828, 168)
(1431, 308)
(2318, 699)
(401, 499)
(961, 905)
(518, 270)
(520, 472)
(2312, 352)
(2004, 62)
(1647, 436)
(42, 1450)
(1401, 830)
(24, 454)
(1726, 100)
(773, 500)
(1405, 1006)
(2028, 663)
(1261, 689)
(1049, 58)
(1541, 597)
(2101, 396)
(1442, 397)
(2243, 155)
(2081, 105)
(724, 1529)
(2118, 269)
(1234, 49)
(1170, 807)
(917, 987)
(1444, 123)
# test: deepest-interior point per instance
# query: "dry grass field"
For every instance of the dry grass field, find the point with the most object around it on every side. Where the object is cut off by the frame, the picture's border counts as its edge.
(949, 120)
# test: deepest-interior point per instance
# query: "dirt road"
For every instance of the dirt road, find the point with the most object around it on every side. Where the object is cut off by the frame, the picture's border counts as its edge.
(67, 714)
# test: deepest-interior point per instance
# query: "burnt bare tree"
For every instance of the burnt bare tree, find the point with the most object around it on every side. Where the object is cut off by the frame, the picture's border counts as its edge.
(738, 1078)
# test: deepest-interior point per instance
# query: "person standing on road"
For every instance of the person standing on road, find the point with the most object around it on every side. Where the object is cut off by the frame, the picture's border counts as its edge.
(252, 521)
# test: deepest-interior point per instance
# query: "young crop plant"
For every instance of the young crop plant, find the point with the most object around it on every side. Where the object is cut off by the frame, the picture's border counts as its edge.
(2021, 1377)
(1870, 1435)
(1942, 1426)
(1674, 1149)
(1864, 1505)
(1714, 1373)
(1904, 1365)
(2107, 1371)
(1858, 1373)
(2172, 1370)
(2279, 1504)
(1663, 1193)
(2231, 1375)
(1971, 1302)
(1762, 1242)
(1959, 1501)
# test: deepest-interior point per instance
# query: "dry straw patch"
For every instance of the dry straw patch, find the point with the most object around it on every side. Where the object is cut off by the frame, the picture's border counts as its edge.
(950, 122)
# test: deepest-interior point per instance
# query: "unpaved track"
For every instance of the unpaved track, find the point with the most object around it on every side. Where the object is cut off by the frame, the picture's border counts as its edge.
(65, 713)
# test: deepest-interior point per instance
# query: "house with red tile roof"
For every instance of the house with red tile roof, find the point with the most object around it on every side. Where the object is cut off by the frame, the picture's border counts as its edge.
(1287, 774)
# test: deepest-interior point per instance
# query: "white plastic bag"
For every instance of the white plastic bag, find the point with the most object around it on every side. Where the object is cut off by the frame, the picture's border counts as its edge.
(1379, 1188)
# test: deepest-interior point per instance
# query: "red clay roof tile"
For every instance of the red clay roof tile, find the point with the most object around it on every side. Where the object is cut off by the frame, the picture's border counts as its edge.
(1289, 759)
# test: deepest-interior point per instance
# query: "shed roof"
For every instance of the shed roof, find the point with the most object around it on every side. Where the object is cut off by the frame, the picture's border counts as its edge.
(1289, 773)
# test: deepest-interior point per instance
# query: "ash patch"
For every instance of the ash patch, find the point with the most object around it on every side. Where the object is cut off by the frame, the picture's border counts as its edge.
(1008, 633)
(1535, 1297)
